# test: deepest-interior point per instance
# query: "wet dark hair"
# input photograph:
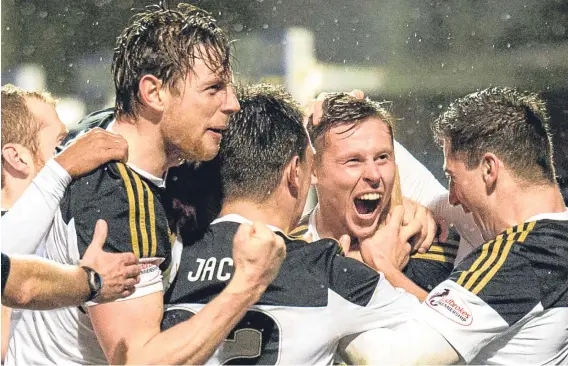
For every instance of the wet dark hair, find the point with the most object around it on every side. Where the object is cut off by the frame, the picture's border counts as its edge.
(262, 138)
(165, 43)
(343, 109)
(509, 123)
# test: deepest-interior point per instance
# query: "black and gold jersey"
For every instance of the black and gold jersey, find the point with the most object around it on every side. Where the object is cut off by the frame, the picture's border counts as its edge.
(130, 204)
(130, 201)
(426, 270)
(507, 301)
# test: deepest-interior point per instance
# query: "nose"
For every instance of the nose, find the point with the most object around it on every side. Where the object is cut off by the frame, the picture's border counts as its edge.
(372, 174)
(231, 104)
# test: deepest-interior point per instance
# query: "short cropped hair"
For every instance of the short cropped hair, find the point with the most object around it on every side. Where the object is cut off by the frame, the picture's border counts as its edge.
(262, 138)
(509, 123)
(19, 125)
(165, 43)
(343, 109)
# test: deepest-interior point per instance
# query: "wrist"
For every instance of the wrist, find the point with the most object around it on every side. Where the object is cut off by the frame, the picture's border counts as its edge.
(94, 282)
(246, 289)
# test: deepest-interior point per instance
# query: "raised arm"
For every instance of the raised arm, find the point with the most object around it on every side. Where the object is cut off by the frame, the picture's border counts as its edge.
(129, 331)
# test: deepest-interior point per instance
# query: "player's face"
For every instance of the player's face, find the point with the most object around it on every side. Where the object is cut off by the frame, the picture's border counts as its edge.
(467, 189)
(51, 133)
(355, 176)
(198, 113)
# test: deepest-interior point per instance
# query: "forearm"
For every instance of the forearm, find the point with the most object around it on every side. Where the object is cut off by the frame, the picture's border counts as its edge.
(6, 315)
(29, 219)
(40, 284)
(398, 279)
(201, 334)
(129, 331)
(412, 343)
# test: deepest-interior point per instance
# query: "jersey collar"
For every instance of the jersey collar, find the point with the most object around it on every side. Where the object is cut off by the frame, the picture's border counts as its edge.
(241, 220)
(560, 216)
(159, 182)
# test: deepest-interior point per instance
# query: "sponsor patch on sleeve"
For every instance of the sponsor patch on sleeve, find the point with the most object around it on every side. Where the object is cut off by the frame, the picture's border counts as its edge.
(447, 302)
(150, 270)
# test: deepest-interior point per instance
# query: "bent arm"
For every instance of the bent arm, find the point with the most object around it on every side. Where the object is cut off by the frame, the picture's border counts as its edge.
(129, 331)
(34, 209)
(40, 284)
(413, 343)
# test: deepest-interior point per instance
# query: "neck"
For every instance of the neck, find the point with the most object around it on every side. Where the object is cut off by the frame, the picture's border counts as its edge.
(12, 190)
(146, 147)
(524, 203)
(330, 226)
(270, 212)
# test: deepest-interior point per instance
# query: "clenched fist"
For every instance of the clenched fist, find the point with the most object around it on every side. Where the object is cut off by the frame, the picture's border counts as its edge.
(257, 254)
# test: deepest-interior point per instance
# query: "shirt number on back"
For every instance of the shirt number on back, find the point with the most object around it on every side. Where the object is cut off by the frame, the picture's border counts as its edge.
(255, 339)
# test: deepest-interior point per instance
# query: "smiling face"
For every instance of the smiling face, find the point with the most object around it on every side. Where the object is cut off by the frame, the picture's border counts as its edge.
(197, 114)
(355, 174)
(467, 189)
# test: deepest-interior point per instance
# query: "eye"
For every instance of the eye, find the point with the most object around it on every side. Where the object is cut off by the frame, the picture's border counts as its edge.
(216, 87)
(352, 160)
(384, 156)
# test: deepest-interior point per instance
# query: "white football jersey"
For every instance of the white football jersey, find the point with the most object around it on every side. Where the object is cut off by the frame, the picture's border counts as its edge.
(319, 298)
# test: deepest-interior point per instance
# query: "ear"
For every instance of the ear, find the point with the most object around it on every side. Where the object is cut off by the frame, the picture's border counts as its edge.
(18, 159)
(314, 176)
(152, 92)
(490, 169)
(293, 175)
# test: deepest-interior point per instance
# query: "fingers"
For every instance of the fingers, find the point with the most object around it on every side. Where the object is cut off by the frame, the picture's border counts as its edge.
(244, 232)
(314, 110)
(132, 271)
(410, 208)
(100, 234)
(421, 214)
(431, 234)
(414, 227)
(395, 217)
(444, 231)
(357, 93)
(345, 243)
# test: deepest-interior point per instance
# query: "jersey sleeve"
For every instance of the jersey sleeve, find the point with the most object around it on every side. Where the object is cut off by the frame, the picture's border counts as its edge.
(430, 269)
(362, 298)
(490, 291)
(28, 221)
(136, 219)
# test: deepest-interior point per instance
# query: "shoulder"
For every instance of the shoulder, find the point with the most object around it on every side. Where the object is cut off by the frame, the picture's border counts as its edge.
(101, 118)
(113, 181)
(546, 250)
(349, 278)
(302, 228)
(501, 275)
(130, 205)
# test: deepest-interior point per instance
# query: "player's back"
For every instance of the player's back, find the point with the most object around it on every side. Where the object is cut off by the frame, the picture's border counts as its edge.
(318, 298)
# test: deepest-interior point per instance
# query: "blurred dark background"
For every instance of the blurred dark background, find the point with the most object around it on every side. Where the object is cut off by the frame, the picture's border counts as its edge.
(418, 54)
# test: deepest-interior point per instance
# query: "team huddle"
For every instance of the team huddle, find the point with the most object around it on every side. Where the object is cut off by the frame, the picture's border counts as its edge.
(389, 267)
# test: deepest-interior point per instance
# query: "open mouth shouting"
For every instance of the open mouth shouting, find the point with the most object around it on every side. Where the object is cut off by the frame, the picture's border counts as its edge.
(367, 204)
